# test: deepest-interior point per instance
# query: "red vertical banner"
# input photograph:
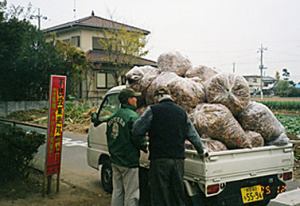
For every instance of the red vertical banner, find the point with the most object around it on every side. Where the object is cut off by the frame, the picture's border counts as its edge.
(55, 124)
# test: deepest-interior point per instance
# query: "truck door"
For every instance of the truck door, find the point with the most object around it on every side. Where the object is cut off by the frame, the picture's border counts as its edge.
(97, 131)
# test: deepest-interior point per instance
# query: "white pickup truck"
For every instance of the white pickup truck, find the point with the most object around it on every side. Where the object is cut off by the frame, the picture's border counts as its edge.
(233, 177)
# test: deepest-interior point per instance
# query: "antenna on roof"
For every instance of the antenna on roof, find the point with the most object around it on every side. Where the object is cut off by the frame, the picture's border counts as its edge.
(74, 10)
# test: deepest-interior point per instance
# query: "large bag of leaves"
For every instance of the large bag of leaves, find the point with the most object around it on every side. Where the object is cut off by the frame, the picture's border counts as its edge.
(217, 122)
(140, 111)
(203, 72)
(255, 139)
(173, 62)
(209, 145)
(139, 79)
(213, 145)
(162, 80)
(186, 92)
(259, 118)
(230, 90)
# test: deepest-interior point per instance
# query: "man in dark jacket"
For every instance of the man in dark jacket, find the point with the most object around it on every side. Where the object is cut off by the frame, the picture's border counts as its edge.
(168, 125)
(125, 150)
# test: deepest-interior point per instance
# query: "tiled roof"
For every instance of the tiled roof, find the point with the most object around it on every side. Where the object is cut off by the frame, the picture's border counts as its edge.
(95, 22)
(102, 57)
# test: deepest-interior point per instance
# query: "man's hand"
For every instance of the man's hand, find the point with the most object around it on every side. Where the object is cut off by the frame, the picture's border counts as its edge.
(205, 153)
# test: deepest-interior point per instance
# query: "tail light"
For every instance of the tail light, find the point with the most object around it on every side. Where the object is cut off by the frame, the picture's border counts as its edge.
(287, 176)
(211, 189)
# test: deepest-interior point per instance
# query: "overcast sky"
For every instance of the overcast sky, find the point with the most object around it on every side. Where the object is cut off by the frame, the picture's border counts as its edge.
(215, 33)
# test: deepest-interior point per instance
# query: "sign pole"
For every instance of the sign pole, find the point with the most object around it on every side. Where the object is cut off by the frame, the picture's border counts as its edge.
(55, 130)
(57, 182)
(49, 178)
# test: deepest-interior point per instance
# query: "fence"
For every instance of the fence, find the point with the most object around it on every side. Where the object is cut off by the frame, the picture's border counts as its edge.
(8, 107)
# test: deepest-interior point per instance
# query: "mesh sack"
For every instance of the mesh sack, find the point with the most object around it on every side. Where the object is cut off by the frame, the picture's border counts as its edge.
(230, 90)
(186, 92)
(259, 118)
(255, 139)
(173, 62)
(162, 80)
(217, 122)
(203, 72)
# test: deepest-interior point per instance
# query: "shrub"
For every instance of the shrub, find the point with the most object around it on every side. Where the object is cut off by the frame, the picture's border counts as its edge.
(17, 150)
(292, 105)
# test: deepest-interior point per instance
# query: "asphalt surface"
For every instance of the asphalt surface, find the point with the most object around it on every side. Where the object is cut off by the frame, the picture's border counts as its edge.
(75, 170)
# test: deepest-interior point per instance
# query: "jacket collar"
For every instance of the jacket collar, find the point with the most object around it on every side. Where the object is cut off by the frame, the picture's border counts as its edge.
(167, 98)
(128, 106)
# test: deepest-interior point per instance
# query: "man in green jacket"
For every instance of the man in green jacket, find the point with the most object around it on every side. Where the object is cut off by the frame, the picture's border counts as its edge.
(124, 150)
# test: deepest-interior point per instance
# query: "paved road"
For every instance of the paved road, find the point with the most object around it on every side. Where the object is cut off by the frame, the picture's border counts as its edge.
(74, 167)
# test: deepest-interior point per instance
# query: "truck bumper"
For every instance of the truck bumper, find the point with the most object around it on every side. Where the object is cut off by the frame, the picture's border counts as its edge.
(271, 186)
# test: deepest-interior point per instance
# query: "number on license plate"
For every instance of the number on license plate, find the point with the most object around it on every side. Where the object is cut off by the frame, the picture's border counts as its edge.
(252, 194)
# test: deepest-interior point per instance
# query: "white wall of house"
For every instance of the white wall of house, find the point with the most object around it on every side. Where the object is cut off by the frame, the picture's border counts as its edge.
(254, 83)
(87, 38)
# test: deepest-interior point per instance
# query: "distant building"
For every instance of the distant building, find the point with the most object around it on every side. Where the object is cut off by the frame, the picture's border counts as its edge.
(254, 83)
(84, 33)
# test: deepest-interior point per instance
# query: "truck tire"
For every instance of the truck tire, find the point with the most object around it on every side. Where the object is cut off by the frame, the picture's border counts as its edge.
(106, 176)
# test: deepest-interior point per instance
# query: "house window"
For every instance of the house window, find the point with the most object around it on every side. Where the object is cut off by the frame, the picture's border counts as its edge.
(75, 41)
(255, 80)
(96, 44)
(66, 40)
(105, 80)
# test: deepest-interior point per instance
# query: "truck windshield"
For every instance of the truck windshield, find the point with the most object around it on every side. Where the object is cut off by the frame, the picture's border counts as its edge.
(110, 105)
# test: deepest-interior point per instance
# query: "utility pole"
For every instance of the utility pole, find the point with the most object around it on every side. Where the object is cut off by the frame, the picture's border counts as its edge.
(261, 67)
(74, 10)
(233, 67)
(39, 16)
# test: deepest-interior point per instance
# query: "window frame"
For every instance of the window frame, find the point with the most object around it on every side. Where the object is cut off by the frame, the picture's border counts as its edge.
(106, 81)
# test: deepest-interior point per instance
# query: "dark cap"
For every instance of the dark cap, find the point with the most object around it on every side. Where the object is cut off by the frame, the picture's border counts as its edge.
(161, 90)
(127, 93)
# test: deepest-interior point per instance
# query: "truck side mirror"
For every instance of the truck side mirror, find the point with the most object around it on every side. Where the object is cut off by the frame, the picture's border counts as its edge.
(94, 117)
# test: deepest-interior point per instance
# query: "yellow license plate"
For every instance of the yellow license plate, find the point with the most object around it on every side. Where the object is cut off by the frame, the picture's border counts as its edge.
(252, 194)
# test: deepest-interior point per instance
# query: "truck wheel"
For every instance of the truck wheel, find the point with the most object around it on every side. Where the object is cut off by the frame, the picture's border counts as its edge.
(106, 177)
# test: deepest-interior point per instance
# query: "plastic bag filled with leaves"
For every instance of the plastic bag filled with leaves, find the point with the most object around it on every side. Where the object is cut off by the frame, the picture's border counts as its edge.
(140, 111)
(203, 72)
(230, 90)
(213, 145)
(259, 118)
(139, 79)
(162, 80)
(208, 144)
(217, 122)
(186, 92)
(173, 62)
(255, 139)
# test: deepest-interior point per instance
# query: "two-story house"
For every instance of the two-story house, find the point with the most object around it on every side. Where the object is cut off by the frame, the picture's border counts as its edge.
(254, 82)
(84, 33)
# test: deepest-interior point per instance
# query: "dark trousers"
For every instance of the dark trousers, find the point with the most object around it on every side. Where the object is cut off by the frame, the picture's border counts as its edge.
(166, 182)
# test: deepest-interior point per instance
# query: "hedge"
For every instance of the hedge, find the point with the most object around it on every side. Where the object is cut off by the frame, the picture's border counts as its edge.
(17, 150)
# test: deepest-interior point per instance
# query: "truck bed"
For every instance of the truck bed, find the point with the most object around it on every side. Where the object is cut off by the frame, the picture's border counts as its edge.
(233, 165)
